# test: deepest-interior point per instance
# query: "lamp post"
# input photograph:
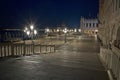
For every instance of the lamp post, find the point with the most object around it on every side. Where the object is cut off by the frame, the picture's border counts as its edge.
(65, 32)
(30, 31)
(47, 31)
(58, 33)
(80, 30)
(75, 30)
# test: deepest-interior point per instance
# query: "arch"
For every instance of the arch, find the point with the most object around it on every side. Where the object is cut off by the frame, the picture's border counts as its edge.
(112, 32)
(118, 34)
(117, 41)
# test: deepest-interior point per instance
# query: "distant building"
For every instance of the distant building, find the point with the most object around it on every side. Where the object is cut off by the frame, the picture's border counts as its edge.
(89, 26)
(10, 35)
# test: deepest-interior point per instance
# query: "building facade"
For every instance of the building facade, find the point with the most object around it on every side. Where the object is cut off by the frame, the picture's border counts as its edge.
(109, 34)
(109, 22)
(12, 35)
(9, 35)
(89, 26)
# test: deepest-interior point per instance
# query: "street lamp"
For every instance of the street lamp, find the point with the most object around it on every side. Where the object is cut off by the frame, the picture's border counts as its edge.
(35, 32)
(75, 30)
(58, 30)
(79, 30)
(25, 29)
(30, 31)
(47, 30)
(31, 27)
(65, 32)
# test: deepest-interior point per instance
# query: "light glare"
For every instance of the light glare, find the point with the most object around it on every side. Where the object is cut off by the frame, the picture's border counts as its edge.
(35, 32)
(28, 32)
(31, 27)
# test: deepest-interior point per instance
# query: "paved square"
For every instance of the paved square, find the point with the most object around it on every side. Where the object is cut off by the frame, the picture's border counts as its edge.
(75, 61)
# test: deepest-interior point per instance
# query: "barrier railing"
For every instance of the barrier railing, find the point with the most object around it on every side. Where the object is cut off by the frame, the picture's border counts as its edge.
(111, 58)
(18, 49)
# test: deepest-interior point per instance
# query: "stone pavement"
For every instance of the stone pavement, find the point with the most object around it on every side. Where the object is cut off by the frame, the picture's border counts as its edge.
(75, 61)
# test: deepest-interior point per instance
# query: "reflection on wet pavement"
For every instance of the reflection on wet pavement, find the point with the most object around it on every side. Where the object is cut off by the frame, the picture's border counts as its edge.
(76, 61)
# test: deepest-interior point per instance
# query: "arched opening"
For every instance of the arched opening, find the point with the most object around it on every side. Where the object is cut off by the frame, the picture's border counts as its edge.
(118, 34)
(117, 41)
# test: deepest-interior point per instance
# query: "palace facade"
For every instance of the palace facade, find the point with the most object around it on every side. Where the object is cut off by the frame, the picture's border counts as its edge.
(109, 22)
(89, 26)
(109, 35)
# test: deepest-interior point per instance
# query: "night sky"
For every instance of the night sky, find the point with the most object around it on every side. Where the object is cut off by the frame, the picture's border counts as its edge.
(47, 13)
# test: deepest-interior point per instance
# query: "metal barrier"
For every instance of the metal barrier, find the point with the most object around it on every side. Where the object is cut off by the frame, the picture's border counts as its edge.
(18, 49)
(111, 58)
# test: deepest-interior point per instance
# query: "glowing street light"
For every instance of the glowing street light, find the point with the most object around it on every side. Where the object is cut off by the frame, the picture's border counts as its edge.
(35, 32)
(58, 30)
(25, 30)
(47, 30)
(31, 27)
(65, 31)
(75, 30)
(28, 33)
(79, 30)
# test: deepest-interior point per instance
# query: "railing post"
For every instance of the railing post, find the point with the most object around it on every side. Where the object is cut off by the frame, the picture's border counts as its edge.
(12, 49)
(27, 47)
(0, 50)
(119, 70)
(8, 50)
(21, 50)
(17, 46)
(24, 49)
(50, 48)
(4, 50)
(16, 49)
(40, 48)
(33, 49)
(29, 50)
(54, 48)
(46, 48)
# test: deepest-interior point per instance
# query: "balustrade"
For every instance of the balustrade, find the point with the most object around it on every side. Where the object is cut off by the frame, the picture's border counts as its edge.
(111, 58)
(20, 49)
